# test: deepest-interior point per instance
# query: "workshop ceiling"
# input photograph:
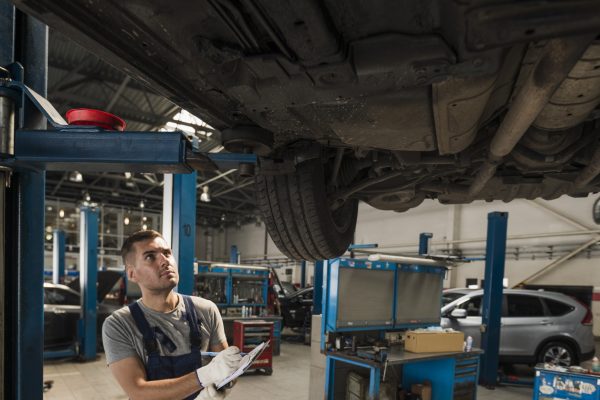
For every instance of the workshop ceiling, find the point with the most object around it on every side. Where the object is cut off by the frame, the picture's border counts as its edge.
(76, 79)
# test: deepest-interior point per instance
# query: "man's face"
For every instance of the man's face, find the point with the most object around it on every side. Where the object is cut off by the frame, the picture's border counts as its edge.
(153, 266)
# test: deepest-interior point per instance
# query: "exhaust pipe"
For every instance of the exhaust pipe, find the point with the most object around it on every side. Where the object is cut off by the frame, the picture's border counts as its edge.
(560, 55)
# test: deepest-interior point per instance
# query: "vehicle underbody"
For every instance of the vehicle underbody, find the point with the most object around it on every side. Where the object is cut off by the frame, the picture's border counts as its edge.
(385, 102)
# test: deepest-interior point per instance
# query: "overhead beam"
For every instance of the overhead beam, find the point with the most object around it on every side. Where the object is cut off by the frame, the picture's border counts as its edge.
(117, 94)
(559, 261)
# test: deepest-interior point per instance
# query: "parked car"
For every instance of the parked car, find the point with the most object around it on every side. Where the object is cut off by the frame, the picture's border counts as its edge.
(295, 304)
(62, 310)
(449, 295)
(536, 326)
(387, 102)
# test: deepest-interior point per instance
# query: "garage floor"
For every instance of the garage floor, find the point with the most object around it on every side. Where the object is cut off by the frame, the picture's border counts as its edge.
(93, 381)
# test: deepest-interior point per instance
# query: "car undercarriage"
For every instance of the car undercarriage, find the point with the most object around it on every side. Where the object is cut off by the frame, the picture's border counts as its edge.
(385, 102)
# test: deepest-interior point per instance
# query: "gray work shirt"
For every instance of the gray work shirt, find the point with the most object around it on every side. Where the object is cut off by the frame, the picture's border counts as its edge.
(122, 339)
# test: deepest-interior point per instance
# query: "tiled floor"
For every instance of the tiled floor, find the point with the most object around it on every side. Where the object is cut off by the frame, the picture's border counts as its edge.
(93, 381)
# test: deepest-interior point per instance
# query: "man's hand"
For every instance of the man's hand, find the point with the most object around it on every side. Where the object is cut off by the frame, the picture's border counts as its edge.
(220, 367)
(230, 356)
(211, 392)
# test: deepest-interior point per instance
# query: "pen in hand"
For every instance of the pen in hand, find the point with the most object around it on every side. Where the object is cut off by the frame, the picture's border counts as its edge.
(214, 353)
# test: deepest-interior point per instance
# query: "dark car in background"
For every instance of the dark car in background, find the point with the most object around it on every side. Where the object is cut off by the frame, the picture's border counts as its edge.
(295, 304)
(536, 326)
(62, 310)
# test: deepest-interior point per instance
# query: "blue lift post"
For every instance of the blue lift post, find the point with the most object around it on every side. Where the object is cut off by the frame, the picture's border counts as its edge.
(492, 297)
(58, 256)
(88, 266)
(184, 228)
(424, 243)
(318, 291)
(21, 367)
(234, 255)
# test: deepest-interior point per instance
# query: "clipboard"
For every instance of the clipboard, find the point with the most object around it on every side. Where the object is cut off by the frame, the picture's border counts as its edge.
(244, 364)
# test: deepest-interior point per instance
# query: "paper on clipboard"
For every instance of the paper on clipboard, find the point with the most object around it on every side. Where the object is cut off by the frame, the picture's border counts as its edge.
(245, 363)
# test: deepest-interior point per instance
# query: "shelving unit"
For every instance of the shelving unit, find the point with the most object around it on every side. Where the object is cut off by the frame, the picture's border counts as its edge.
(230, 285)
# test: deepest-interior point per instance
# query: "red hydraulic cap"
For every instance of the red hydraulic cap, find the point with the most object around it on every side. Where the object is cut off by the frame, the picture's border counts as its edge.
(102, 119)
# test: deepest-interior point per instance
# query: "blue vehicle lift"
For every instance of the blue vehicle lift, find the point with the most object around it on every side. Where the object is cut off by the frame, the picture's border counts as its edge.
(27, 149)
(184, 229)
(424, 243)
(318, 291)
(492, 297)
(88, 279)
(58, 256)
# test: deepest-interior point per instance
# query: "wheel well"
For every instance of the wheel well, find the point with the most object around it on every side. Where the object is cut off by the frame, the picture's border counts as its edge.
(561, 339)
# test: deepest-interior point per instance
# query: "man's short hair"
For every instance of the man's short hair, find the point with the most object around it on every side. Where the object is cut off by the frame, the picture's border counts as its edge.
(139, 236)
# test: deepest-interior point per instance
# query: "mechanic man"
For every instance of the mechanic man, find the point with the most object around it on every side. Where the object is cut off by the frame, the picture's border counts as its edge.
(153, 346)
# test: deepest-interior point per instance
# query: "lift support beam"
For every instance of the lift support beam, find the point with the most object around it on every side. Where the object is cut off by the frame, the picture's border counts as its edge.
(88, 279)
(492, 297)
(22, 345)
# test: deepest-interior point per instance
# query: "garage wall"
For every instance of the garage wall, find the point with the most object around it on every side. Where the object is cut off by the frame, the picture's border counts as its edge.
(467, 224)
(549, 227)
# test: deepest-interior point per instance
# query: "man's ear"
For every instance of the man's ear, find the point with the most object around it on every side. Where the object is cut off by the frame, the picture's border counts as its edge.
(130, 272)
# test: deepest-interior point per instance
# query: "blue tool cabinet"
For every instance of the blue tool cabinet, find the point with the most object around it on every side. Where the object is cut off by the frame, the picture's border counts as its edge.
(375, 297)
(555, 385)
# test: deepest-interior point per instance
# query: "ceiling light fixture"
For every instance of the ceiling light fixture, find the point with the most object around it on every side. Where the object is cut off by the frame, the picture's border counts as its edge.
(142, 205)
(61, 213)
(126, 220)
(205, 196)
(76, 176)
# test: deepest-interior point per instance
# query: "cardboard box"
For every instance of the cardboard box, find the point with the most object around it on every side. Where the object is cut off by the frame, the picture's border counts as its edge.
(423, 390)
(433, 342)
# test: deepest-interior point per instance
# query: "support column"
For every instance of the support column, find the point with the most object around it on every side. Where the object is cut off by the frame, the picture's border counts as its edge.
(424, 243)
(452, 234)
(179, 225)
(88, 278)
(120, 228)
(234, 255)
(7, 118)
(318, 291)
(58, 256)
(303, 274)
(492, 297)
(24, 223)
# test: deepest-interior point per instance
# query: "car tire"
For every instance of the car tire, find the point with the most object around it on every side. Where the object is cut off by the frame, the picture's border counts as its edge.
(558, 353)
(298, 217)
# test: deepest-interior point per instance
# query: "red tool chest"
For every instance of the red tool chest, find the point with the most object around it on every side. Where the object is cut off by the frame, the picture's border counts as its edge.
(249, 334)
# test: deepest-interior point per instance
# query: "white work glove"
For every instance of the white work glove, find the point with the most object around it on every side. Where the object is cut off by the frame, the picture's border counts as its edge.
(230, 356)
(220, 367)
(211, 392)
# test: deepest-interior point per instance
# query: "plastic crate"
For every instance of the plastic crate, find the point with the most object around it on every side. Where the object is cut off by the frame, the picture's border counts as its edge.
(555, 385)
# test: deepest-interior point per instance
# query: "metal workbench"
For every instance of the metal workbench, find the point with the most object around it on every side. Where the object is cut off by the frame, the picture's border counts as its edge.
(453, 375)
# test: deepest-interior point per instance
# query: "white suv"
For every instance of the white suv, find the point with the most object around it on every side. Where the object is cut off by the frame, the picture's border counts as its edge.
(536, 326)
